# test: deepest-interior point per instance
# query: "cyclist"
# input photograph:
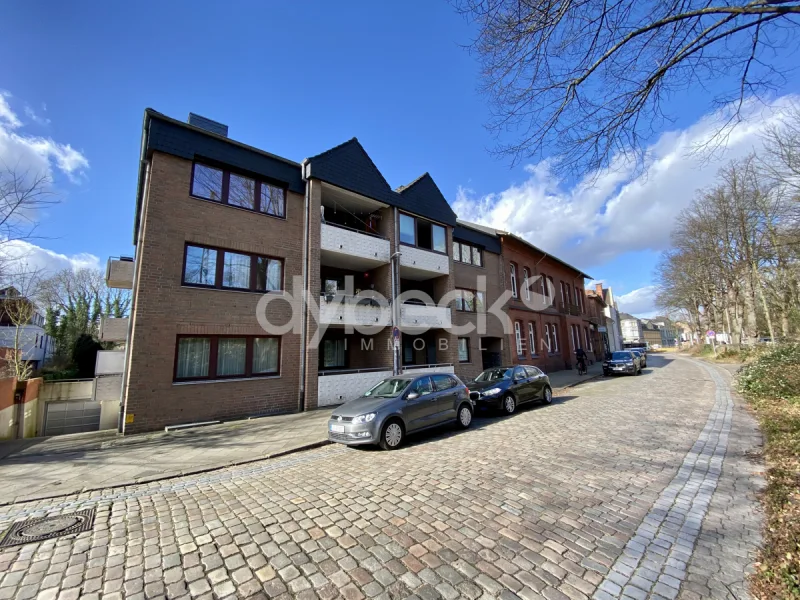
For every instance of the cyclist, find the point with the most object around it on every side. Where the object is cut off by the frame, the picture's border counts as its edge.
(580, 355)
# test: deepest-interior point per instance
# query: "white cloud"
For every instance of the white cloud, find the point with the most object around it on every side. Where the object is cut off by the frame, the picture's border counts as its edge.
(31, 114)
(620, 209)
(35, 154)
(38, 258)
(640, 302)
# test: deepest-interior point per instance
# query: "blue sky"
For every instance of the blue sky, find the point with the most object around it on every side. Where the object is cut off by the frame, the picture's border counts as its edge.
(296, 79)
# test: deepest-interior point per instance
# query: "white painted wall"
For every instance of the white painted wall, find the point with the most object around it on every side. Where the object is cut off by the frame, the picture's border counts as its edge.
(334, 312)
(34, 342)
(425, 260)
(338, 389)
(413, 315)
(352, 243)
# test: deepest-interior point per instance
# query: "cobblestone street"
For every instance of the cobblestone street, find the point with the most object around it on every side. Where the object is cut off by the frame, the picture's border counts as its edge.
(637, 487)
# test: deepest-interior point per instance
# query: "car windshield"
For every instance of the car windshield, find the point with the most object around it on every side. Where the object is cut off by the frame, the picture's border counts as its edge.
(621, 356)
(494, 375)
(388, 388)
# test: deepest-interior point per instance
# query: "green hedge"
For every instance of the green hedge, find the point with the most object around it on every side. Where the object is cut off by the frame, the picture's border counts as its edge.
(775, 373)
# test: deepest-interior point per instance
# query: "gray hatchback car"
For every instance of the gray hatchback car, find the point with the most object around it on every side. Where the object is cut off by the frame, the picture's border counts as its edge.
(397, 406)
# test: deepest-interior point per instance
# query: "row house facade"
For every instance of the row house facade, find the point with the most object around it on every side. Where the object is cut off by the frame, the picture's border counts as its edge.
(261, 285)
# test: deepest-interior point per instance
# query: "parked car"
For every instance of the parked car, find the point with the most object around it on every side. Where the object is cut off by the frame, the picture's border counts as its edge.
(642, 357)
(397, 406)
(622, 361)
(505, 388)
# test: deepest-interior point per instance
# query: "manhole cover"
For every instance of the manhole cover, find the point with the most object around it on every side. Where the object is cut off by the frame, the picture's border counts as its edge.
(36, 530)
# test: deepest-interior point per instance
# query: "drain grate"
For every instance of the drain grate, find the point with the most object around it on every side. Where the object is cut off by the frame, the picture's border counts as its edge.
(37, 530)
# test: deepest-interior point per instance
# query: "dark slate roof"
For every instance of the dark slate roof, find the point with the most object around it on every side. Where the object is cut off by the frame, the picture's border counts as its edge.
(423, 197)
(348, 166)
(465, 233)
(164, 134)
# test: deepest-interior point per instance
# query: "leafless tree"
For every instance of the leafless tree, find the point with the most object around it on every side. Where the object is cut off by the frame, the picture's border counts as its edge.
(23, 194)
(17, 313)
(586, 79)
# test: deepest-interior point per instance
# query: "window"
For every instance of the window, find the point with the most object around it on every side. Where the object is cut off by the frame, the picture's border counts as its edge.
(218, 185)
(562, 293)
(533, 372)
(207, 183)
(422, 386)
(532, 337)
(443, 382)
(514, 280)
(193, 356)
(465, 300)
(480, 302)
(467, 254)
(463, 350)
(236, 270)
(242, 192)
(422, 234)
(408, 233)
(265, 355)
(273, 200)
(439, 239)
(333, 353)
(576, 338)
(221, 357)
(518, 338)
(547, 337)
(201, 266)
(211, 267)
(543, 284)
(231, 357)
(555, 338)
(588, 339)
(526, 284)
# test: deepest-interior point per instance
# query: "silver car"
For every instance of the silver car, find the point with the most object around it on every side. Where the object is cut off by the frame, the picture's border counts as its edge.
(397, 406)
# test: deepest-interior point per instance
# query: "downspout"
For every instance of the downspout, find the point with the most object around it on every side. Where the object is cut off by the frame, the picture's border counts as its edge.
(303, 325)
(395, 264)
(134, 287)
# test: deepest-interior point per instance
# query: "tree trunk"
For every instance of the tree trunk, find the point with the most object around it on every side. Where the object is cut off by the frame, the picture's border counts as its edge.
(764, 303)
(750, 326)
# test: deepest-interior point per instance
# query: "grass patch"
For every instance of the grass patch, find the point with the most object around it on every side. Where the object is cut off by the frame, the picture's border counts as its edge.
(771, 383)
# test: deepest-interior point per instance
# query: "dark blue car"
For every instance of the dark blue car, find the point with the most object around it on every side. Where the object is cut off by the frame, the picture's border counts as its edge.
(505, 388)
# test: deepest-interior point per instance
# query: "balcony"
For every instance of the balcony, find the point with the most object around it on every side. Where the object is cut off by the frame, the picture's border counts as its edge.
(566, 308)
(109, 362)
(419, 264)
(337, 387)
(432, 368)
(113, 329)
(348, 248)
(119, 273)
(416, 316)
(346, 310)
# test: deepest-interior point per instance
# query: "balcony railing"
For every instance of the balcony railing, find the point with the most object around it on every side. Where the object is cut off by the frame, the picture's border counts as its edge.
(424, 261)
(569, 309)
(109, 362)
(113, 329)
(119, 273)
(339, 387)
(352, 243)
(432, 368)
(350, 310)
(420, 315)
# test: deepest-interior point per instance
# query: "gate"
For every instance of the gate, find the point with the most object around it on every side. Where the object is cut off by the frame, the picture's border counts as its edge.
(75, 416)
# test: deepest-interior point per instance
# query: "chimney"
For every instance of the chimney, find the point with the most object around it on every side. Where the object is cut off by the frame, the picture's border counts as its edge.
(599, 289)
(208, 124)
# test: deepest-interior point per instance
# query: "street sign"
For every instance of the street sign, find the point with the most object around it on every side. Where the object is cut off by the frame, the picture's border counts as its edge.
(396, 336)
(710, 333)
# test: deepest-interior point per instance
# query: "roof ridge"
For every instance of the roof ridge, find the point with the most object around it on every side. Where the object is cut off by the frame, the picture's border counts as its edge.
(403, 188)
(336, 147)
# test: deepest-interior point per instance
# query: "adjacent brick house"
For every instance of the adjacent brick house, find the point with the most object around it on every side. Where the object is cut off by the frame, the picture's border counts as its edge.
(263, 285)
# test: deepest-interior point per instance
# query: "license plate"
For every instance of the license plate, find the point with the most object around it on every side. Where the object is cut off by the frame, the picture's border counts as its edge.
(618, 368)
(337, 428)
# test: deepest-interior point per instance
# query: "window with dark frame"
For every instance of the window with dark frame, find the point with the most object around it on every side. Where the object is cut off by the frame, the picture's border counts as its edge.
(465, 300)
(233, 189)
(463, 350)
(421, 233)
(214, 357)
(226, 269)
(467, 254)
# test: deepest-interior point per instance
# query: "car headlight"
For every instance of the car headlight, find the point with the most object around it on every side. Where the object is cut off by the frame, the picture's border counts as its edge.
(629, 364)
(363, 418)
(492, 392)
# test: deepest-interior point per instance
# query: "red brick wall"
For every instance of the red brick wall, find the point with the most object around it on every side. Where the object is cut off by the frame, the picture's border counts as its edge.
(163, 308)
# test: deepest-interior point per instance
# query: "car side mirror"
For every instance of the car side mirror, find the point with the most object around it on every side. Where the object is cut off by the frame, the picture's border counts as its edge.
(412, 395)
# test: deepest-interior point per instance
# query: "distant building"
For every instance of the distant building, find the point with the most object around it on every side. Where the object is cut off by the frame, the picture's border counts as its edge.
(34, 344)
(632, 331)
(610, 331)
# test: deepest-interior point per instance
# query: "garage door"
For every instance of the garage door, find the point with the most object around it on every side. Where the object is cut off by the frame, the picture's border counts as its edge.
(72, 417)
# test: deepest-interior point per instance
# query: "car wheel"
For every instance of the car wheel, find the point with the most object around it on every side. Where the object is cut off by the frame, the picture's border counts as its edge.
(547, 397)
(464, 419)
(392, 435)
(509, 404)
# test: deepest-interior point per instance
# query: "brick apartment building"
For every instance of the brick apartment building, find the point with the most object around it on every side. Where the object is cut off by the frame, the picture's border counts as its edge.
(227, 238)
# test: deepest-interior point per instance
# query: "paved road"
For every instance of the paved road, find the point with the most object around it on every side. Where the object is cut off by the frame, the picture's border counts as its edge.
(640, 486)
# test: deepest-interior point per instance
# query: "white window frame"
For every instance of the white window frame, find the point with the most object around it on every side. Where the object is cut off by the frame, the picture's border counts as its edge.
(526, 283)
(588, 339)
(514, 281)
(531, 338)
(555, 338)
(518, 338)
(562, 292)
(547, 337)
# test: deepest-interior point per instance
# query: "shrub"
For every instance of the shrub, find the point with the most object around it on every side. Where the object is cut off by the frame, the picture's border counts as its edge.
(775, 373)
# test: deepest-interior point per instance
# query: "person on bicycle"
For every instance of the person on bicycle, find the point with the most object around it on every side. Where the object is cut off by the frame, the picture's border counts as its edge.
(581, 357)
